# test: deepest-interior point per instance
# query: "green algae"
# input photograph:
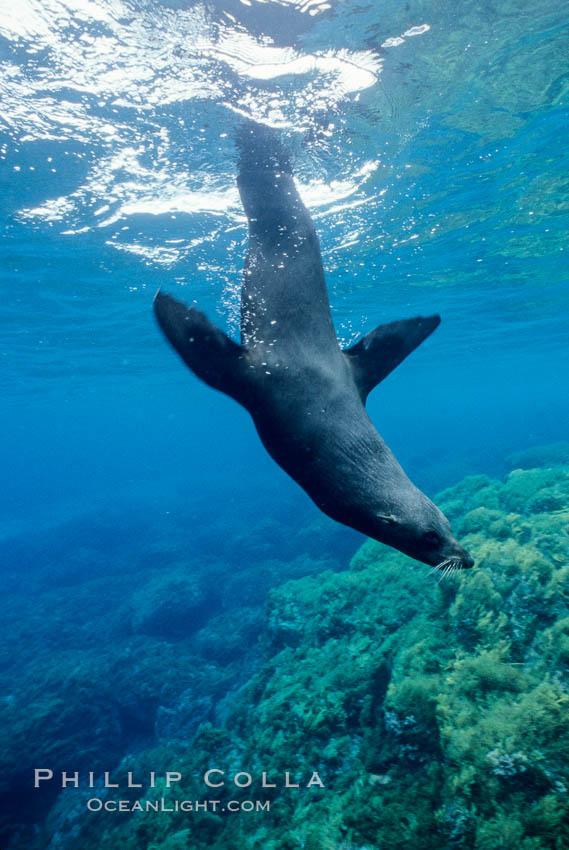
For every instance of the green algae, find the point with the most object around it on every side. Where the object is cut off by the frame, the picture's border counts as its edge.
(552, 454)
(436, 714)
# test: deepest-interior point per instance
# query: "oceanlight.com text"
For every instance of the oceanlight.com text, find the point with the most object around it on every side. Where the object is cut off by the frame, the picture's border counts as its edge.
(96, 804)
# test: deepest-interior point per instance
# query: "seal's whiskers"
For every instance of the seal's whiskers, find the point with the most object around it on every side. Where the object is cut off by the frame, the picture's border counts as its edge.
(453, 566)
(446, 568)
(439, 567)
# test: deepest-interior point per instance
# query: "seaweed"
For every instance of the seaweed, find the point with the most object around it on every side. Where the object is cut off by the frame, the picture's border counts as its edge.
(436, 714)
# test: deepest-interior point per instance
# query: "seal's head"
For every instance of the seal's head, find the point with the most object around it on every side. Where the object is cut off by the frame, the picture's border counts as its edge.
(418, 528)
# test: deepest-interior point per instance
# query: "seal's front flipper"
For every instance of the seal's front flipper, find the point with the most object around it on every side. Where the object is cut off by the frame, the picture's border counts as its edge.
(381, 350)
(209, 353)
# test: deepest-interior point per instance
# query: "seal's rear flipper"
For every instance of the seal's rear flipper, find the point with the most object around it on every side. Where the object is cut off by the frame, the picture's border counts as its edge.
(261, 149)
(209, 353)
(275, 212)
(381, 350)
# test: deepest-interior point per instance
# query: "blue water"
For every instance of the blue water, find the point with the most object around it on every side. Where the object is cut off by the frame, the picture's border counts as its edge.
(430, 144)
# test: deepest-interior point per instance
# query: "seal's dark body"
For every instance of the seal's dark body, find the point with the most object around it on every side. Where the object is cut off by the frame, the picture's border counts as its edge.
(306, 395)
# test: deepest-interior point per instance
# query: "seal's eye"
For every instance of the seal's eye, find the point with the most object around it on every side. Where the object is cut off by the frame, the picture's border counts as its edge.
(432, 538)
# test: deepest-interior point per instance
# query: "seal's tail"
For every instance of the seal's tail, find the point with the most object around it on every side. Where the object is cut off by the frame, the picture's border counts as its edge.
(270, 198)
(261, 150)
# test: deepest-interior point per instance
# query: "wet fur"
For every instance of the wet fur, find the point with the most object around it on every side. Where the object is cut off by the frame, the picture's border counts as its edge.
(307, 396)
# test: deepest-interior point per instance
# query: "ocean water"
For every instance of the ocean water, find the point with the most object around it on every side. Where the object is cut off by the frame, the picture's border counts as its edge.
(143, 526)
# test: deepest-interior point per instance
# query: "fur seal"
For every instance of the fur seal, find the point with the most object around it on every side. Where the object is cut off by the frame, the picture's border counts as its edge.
(305, 394)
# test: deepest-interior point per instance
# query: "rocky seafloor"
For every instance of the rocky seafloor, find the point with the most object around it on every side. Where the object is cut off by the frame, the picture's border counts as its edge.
(435, 713)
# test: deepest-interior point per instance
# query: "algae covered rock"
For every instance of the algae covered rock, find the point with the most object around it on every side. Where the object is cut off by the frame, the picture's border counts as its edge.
(535, 490)
(174, 604)
(552, 454)
(436, 714)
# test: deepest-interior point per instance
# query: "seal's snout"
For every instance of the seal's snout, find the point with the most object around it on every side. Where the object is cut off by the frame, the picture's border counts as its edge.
(467, 562)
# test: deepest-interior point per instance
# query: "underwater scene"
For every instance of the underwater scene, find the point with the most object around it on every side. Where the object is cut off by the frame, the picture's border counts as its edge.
(205, 648)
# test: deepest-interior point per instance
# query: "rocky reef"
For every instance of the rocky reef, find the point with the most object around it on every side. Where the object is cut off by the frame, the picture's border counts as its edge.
(435, 713)
(122, 632)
